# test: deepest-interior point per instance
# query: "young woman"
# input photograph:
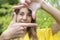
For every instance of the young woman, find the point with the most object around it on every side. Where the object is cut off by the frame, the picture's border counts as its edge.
(24, 15)
(45, 34)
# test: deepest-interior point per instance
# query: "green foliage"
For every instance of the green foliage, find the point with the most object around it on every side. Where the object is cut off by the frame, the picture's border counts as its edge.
(3, 1)
(5, 9)
(44, 19)
(1, 27)
(6, 20)
(6, 6)
(54, 1)
(12, 2)
(58, 7)
(3, 12)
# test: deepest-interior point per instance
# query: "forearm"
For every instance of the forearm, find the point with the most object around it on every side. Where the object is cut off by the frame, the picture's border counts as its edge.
(55, 28)
(4, 36)
(1, 38)
(51, 10)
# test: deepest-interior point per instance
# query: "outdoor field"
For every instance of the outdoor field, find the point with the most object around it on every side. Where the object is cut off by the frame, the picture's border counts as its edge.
(43, 19)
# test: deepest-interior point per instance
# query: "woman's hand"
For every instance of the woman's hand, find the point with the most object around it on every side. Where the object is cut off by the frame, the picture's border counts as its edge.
(15, 30)
(24, 3)
(34, 5)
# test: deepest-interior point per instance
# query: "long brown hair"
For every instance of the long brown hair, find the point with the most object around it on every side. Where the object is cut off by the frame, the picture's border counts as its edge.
(31, 30)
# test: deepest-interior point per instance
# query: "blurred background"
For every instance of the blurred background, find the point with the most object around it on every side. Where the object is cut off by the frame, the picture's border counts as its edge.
(43, 19)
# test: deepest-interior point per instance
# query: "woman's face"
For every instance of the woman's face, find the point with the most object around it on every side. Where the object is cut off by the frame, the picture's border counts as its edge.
(24, 16)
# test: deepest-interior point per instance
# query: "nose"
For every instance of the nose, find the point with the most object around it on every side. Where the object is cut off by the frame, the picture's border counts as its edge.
(24, 18)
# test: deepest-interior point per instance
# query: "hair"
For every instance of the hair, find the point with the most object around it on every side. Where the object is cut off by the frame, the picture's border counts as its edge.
(31, 30)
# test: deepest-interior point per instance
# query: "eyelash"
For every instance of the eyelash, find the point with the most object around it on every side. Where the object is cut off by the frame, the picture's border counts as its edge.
(21, 14)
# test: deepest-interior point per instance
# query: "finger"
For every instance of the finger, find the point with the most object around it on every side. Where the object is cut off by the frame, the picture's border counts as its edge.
(14, 16)
(22, 1)
(13, 20)
(20, 32)
(25, 4)
(28, 1)
(33, 15)
(18, 35)
(18, 6)
(26, 24)
(25, 1)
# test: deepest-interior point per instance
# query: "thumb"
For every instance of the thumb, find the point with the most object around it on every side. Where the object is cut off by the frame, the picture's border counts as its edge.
(14, 16)
(28, 1)
(33, 15)
(13, 20)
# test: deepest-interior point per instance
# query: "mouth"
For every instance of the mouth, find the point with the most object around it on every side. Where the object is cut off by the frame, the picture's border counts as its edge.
(22, 21)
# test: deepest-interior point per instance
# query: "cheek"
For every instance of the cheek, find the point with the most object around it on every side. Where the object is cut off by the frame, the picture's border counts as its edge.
(29, 19)
(18, 18)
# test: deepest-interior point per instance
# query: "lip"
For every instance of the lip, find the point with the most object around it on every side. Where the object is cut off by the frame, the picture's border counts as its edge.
(22, 21)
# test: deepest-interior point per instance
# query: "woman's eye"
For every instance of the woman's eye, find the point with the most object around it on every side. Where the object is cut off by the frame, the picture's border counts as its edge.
(22, 13)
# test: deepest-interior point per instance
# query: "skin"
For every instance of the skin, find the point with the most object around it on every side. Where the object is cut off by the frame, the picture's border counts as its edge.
(17, 28)
(55, 13)
(23, 17)
(48, 8)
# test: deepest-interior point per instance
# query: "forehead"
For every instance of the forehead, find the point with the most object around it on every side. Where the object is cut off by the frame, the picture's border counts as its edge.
(24, 10)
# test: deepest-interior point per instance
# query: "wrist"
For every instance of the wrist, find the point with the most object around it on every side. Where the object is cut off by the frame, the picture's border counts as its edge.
(5, 36)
